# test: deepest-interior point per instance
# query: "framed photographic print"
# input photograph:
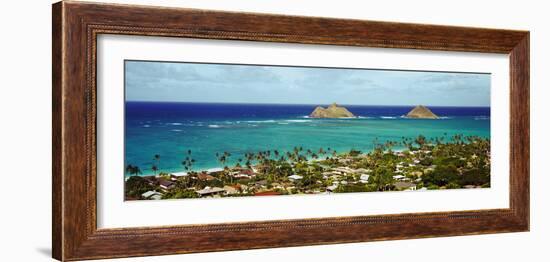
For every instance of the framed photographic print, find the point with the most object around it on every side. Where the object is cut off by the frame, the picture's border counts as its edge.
(192, 131)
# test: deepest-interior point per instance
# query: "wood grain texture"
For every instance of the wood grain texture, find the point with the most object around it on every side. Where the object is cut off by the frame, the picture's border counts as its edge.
(519, 129)
(76, 26)
(57, 195)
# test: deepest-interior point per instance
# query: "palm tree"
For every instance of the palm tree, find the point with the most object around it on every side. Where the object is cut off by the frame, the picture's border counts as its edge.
(222, 159)
(188, 161)
(157, 158)
(133, 170)
(129, 169)
(458, 139)
(420, 140)
(226, 172)
(137, 171)
(155, 169)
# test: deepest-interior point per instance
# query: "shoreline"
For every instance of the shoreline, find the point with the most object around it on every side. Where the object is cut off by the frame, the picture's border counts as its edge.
(168, 170)
(177, 170)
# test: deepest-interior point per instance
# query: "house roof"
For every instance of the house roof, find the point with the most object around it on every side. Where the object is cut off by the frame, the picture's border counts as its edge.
(267, 193)
(203, 176)
(295, 177)
(150, 178)
(261, 182)
(214, 170)
(247, 172)
(165, 183)
(148, 194)
(401, 184)
(343, 169)
(208, 190)
(230, 189)
(156, 197)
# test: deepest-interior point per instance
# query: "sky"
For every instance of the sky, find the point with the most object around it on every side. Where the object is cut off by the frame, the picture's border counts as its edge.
(229, 83)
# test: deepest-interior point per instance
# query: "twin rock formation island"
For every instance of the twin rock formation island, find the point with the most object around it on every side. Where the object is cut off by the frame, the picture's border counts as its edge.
(332, 111)
(336, 111)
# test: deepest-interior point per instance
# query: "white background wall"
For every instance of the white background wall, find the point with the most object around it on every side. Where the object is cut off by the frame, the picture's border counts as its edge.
(25, 147)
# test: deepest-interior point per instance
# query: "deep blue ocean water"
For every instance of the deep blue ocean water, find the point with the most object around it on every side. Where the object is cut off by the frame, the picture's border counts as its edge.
(171, 129)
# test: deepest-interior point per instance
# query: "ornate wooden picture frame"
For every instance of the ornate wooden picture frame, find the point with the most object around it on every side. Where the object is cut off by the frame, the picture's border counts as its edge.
(76, 26)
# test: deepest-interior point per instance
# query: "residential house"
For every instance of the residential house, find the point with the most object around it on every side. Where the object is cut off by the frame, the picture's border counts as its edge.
(399, 177)
(401, 185)
(295, 177)
(166, 184)
(332, 188)
(214, 171)
(364, 178)
(205, 177)
(229, 190)
(208, 191)
(153, 195)
(261, 183)
(151, 180)
(267, 193)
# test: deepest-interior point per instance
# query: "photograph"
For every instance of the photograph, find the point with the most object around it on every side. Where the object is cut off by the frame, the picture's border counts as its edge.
(211, 130)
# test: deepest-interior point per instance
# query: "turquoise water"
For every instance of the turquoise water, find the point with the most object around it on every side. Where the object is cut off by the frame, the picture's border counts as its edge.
(170, 130)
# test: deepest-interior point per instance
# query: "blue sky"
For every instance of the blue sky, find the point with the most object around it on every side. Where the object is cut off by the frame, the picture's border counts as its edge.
(192, 82)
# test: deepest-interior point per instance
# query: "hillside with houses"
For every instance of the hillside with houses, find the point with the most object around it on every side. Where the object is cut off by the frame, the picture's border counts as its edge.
(406, 165)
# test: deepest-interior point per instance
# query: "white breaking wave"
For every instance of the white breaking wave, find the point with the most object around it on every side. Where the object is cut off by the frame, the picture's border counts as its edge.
(388, 117)
(298, 121)
(176, 130)
(481, 118)
(261, 121)
(175, 124)
(214, 126)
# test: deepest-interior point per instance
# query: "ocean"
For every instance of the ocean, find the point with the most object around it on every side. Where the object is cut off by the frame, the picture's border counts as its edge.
(171, 129)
